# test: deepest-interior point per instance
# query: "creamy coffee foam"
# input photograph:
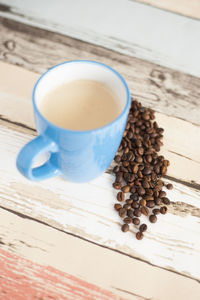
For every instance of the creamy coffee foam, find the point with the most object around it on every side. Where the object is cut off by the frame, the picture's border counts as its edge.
(81, 105)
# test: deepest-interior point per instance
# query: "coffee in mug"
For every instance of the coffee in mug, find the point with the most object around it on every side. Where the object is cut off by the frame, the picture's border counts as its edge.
(81, 105)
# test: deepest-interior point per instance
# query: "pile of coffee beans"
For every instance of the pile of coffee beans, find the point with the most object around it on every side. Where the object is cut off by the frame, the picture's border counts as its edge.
(139, 169)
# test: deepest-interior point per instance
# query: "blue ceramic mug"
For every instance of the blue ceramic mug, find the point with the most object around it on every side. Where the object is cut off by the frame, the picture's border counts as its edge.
(78, 156)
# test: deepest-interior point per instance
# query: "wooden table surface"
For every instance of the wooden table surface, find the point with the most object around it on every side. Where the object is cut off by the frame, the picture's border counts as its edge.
(60, 240)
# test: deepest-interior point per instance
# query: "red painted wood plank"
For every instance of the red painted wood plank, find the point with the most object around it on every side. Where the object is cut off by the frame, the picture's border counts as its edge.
(22, 279)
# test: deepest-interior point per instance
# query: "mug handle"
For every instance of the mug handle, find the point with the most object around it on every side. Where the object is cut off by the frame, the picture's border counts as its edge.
(30, 152)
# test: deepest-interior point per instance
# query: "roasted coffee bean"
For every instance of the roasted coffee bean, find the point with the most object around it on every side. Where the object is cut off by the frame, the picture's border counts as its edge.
(123, 169)
(116, 169)
(130, 213)
(150, 204)
(153, 176)
(143, 202)
(163, 210)
(126, 150)
(152, 218)
(156, 211)
(157, 169)
(139, 159)
(139, 174)
(147, 171)
(117, 185)
(148, 197)
(125, 163)
(140, 151)
(149, 158)
(129, 201)
(134, 196)
(156, 193)
(122, 212)
(126, 189)
(162, 194)
(130, 170)
(137, 182)
(130, 156)
(128, 126)
(165, 200)
(125, 133)
(140, 167)
(135, 204)
(166, 163)
(124, 157)
(150, 191)
(137, 212)
(127, 206)
(145, 184)
(139, 235)
(160, 182)
(133, 190)
(130, 135)
(143, 227)
(117, 158)
(119, 177)
(163, 170)
(144, 210)
(138, 143)
(117, 206)
(125, 227)
(169, 186)
(128, 177)
(141, 191)
(158, 201)
(120, 148)
(136, 221)
(120, 196)
(135, 169)
(127, 220)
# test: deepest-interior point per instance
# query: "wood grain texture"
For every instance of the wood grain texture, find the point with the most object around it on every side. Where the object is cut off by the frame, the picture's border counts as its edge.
(171, 92)
(187, 8)
(86, 211)
(45, 256)
(22, 279)
(128, 27)
(55, 202)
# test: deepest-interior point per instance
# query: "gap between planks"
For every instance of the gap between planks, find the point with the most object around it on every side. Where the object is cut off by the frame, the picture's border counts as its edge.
(96, 265)
(165, 90)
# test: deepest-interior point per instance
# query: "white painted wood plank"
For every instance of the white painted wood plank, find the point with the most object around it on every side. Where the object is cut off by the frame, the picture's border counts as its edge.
(86, 210)
(174, 93)
(129, 278)
(128, 27)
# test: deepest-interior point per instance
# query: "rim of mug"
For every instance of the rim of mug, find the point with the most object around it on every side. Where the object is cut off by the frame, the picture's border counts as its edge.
(128, 100)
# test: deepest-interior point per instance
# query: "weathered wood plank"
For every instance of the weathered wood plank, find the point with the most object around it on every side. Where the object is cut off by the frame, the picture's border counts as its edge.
(125, 26)
(25, 259)
(165, 90)
(187, 8)
(22, 278)
(87, 211)
(16, 108)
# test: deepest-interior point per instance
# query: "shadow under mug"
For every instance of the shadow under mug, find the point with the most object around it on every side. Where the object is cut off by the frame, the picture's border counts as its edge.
(78, 156)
